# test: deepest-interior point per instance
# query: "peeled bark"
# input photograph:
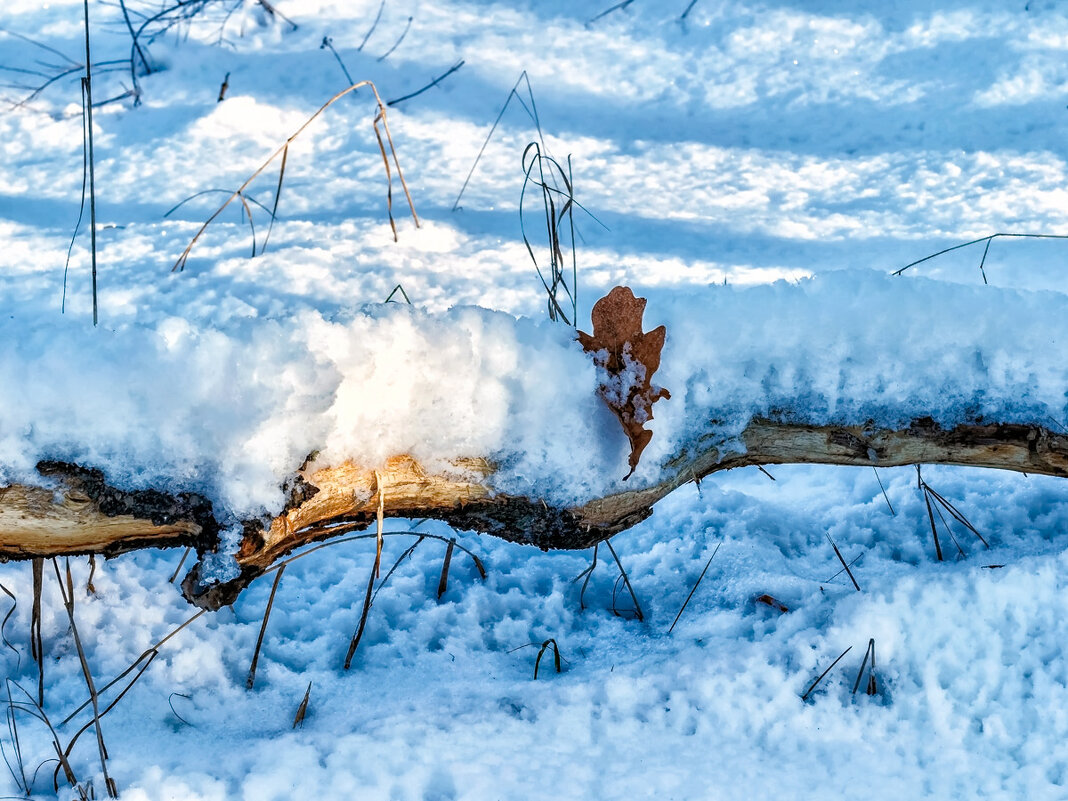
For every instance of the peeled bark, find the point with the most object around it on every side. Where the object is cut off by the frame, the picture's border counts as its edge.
(82, 514)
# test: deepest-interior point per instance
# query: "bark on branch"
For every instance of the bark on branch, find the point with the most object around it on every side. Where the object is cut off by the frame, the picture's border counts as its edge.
(81, 514)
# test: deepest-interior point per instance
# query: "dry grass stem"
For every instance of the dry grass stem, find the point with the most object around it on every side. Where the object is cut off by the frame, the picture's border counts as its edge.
(532, 112)
(845, 565)
(443, 582)
(819, 678)
(251, 680)
(379, 119)
(694, 589)
(302, 710)
(148, 654)
(556, 656)
(626, 581)
(68, 603)
(430, 85)
(586, 574)
(181, 562)
(36, 639)
(986, 250)
(872, 688)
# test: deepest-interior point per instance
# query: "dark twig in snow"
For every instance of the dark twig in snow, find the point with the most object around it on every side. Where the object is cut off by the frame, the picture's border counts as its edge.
(396, 44)
(695, 586)
(607, 11)
(841, 559)
(88, 84)
(885, 496)
(433, 83)
(626, 582)
(371, 30)
(988, 240)
(328, 43)
(819, 678)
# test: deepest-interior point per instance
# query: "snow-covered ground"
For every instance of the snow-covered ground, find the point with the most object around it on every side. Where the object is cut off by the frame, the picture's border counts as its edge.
(807, 143)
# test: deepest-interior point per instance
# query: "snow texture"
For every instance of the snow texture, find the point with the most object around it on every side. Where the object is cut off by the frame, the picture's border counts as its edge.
(760, 170)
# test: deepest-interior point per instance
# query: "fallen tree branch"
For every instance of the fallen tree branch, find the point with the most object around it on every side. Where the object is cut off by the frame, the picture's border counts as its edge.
(82, 514)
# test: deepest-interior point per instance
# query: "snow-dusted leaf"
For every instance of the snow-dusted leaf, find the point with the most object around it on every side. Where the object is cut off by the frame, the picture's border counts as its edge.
(629, 357)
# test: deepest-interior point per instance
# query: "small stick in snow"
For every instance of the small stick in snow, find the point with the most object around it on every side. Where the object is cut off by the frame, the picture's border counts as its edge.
(695, 586)
(36, 640)
(396, 289)
(430, 85)
(87, 84)
(170, 703)
(840, 572)
(3, 626)
(841, 559)
(328, 44)
(819, 678)
(89, 588)
(148, 654)
(773, 602)
(616, 7)
(939, 503)
(443, 582)
(380, 522)
(354, 643)
(885, 496)
(302, 710)
(872, 688)
(181, 562)
(68, 603)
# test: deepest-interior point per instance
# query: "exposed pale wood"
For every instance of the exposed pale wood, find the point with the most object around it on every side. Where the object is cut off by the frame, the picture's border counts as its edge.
(1022, 448)
(349, 493)
(84, 515)
(81, 515)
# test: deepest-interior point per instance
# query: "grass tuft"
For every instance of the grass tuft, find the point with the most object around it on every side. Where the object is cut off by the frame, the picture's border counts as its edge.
(554, 219)
(541, 652)
(937, 504)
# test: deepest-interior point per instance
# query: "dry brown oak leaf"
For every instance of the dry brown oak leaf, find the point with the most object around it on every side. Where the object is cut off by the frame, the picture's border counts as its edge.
(629, 357)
